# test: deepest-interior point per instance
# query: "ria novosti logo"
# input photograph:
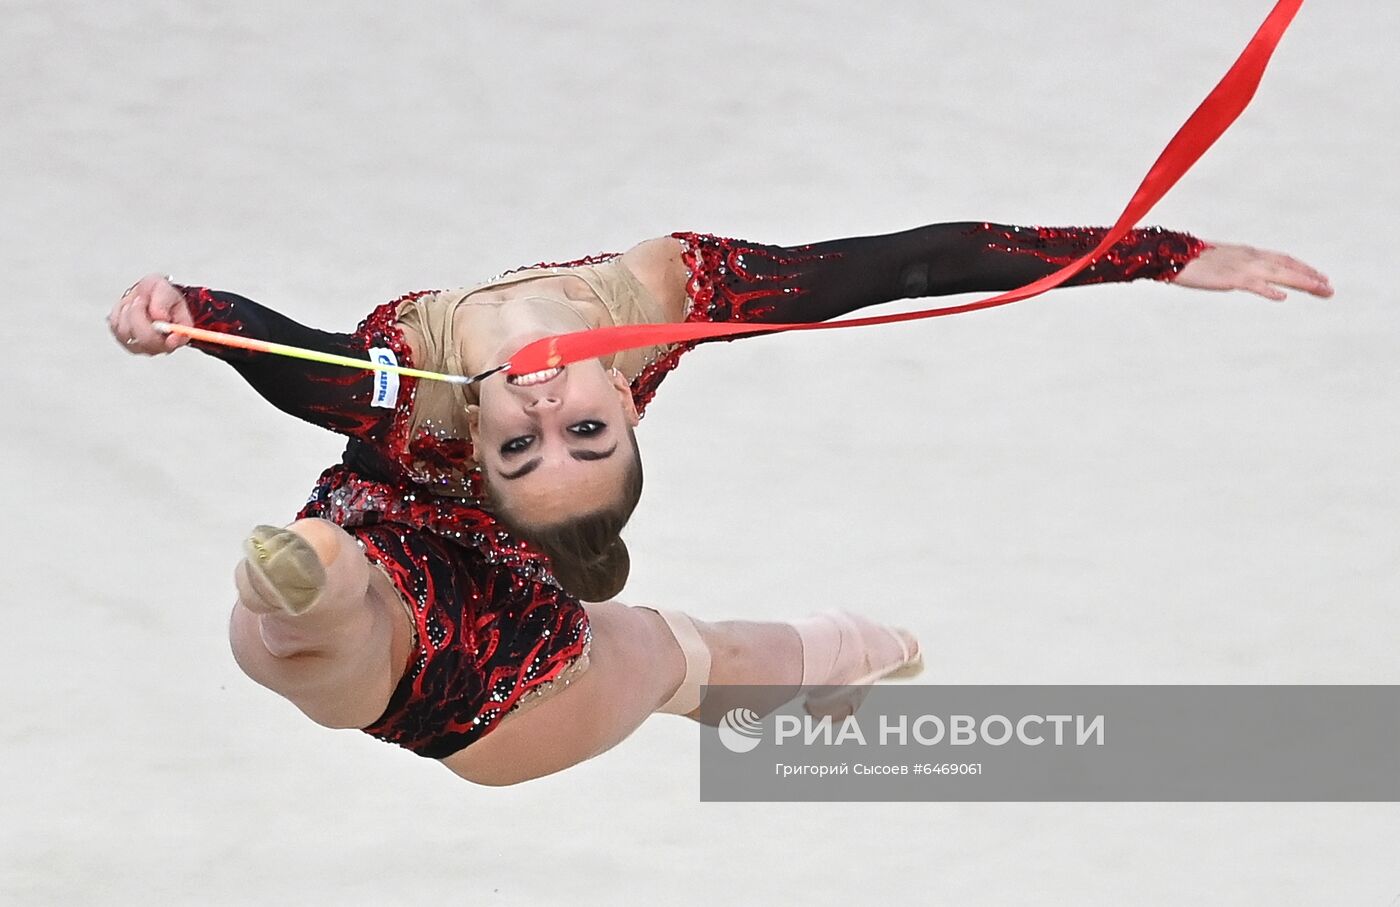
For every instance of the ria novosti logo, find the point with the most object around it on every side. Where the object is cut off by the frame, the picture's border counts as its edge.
(740, 730)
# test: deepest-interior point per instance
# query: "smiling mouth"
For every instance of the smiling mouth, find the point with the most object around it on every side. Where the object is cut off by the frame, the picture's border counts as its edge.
(530, 379)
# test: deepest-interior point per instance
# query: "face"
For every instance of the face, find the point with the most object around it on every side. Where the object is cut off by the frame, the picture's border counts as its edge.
(554, 445)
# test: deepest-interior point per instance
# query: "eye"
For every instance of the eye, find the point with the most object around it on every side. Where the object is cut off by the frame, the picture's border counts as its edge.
(516, 445)
(587, 427)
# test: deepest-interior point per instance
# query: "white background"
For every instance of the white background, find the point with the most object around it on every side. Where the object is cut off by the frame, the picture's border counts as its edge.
(1126, 484)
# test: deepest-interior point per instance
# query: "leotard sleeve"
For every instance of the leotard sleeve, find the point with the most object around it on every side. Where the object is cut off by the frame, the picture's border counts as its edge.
(732, 280)
(349, 401)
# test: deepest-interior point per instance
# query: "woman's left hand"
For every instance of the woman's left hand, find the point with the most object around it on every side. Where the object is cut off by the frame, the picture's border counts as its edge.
(1227, 267)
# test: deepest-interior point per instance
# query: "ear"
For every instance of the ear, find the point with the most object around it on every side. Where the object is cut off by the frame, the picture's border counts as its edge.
(473, 430)
(624, 391)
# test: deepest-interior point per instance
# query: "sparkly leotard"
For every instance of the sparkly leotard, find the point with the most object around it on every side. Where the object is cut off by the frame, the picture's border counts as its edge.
(493, 628)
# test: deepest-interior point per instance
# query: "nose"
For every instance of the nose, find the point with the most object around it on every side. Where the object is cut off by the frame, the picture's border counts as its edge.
(545, 403)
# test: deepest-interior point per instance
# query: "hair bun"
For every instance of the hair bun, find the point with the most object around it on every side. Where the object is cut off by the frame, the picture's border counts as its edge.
(596, 578)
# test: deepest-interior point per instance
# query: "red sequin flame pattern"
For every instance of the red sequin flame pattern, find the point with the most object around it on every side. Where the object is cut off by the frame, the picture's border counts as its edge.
(729, 280)
(1150, 252)
(329, 396)
(490, 621)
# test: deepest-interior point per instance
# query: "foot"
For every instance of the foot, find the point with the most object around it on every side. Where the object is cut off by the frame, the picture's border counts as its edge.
(850, 652)
(280, 572)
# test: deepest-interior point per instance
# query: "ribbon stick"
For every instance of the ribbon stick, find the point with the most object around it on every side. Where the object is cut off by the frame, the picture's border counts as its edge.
(295, 352)
(1221, 107)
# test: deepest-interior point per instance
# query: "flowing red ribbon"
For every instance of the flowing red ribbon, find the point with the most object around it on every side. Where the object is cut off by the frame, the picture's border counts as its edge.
(1216, 113)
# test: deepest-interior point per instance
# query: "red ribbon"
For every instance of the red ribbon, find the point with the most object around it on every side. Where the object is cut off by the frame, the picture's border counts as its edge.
(1216, 113)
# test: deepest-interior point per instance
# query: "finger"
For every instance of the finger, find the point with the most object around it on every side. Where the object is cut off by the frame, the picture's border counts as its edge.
(167, 300)
(1304, 267)
(174, 341)
(148, 340)
(176, 310)
(1267, 290)
(123, 299)
(147, 285)
(114, 317)
(120, 336)
(1304, 279)
(123, 328)
(1321, 283)
(159, 310)
(161, 303)
(170, 340)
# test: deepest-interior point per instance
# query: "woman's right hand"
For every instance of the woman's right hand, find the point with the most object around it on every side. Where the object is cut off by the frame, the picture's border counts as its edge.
(152, 298)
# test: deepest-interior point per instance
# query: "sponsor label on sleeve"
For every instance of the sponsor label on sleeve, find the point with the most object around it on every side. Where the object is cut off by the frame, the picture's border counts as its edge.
(386, 384)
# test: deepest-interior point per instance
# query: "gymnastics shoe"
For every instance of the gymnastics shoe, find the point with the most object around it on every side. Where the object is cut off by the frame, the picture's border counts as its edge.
(281, 570)
(838, 655)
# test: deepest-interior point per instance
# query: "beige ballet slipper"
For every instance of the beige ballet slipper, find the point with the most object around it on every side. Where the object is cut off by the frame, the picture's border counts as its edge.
(280, 571)
(835, 655)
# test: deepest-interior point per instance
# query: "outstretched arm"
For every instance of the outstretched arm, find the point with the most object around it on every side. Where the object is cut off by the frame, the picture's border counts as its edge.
(825, 280)
(343, 400)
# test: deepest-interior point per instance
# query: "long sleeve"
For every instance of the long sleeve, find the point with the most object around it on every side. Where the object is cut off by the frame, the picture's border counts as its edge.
(817, 282)
(360, 404)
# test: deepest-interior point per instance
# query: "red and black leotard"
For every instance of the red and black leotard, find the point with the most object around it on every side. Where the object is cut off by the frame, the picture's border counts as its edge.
(491, 622)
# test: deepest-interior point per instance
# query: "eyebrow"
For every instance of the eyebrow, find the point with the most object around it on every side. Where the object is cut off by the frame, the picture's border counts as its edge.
(525, 470)
(593, 454)
(534, 464)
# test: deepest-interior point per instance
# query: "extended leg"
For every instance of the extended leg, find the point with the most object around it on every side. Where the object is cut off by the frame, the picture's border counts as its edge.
(639, 662)
(317, 624)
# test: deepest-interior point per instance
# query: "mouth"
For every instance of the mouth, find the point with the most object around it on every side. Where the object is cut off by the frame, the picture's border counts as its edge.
(530, 379)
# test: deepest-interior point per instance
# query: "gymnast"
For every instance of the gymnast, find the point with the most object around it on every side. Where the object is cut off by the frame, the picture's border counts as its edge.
(449, 585)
